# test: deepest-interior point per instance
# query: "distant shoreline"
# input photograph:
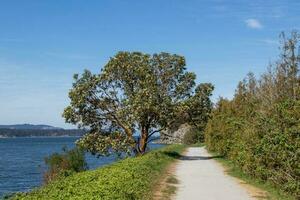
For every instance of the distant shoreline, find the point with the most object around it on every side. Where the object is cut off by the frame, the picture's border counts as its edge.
(46, 136)
(28, 130)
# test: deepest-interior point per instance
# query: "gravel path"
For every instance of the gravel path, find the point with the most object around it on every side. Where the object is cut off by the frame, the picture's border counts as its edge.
(201, 177)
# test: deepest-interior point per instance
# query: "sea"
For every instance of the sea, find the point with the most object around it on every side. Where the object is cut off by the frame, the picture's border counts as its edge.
(22, 160)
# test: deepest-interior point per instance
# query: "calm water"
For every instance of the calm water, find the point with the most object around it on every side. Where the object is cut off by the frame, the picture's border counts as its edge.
(22, 160)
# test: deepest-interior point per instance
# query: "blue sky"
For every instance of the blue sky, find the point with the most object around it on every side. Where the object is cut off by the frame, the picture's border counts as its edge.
(43, 43)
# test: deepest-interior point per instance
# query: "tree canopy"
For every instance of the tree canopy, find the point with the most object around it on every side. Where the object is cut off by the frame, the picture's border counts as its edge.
(134, 94)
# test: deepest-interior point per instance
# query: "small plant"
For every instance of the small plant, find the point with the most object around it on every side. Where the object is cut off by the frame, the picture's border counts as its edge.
(65, 163)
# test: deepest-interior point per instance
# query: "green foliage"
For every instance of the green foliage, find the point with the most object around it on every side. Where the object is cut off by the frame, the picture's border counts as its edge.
(194, 111)
(259, 129)
(200, 106)
(105, 144)
(65, 163)
(132, 178)
(134, 93)
(270, 192)
(193, 136)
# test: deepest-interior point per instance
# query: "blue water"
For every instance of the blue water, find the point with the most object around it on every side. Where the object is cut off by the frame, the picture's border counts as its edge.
(22, 160)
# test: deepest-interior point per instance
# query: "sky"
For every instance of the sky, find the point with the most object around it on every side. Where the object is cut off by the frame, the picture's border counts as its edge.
(43, 43)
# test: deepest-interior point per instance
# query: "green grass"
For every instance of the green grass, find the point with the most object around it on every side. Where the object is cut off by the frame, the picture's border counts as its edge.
(132, 178)
(199, 144)
(272, 192)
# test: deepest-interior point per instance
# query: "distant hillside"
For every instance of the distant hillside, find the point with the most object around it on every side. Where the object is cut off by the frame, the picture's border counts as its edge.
(30, 130)
(29, 126)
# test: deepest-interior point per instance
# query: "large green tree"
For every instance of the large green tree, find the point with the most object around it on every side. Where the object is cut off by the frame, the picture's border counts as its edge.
(135, 93)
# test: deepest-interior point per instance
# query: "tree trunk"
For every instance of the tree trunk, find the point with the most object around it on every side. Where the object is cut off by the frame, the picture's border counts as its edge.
(143, 141)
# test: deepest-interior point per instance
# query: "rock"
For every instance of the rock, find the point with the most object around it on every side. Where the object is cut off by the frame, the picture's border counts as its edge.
(174, 135)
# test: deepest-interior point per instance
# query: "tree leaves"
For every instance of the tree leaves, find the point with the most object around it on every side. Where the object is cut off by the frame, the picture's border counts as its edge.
(259, 129)
(133, 92)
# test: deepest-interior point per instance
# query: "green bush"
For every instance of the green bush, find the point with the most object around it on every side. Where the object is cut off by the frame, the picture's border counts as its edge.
(193, 136)
(132, 178)
(266, 146)
(259, 129)
(64, 164)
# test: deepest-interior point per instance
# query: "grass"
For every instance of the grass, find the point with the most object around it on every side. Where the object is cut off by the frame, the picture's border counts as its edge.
(132, 178)
(199, 144)
(170, 188)
(272, 192)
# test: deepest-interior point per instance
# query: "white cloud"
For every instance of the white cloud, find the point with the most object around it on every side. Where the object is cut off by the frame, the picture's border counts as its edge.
(254, 23)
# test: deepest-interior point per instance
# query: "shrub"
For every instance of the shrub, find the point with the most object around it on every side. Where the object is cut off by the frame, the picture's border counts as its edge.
(193, 136)
(259, 129)
(64, 164)
(132, 178)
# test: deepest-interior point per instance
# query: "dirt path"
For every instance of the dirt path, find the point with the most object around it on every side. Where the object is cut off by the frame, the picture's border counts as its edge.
(201, 177)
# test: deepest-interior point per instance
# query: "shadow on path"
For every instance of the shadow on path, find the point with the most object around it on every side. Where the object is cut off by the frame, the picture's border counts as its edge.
(182, 157)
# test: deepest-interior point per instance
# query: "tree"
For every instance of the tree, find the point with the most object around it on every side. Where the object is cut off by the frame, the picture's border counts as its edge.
(198, 110)
(135, 93)
(259, 129)
(200, 106)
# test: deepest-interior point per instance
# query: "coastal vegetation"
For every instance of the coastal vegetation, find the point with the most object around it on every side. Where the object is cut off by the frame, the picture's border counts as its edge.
(193, 136)
(259, 129)
(266, 190)
(60, 165)
(132, 178)
(135, 94)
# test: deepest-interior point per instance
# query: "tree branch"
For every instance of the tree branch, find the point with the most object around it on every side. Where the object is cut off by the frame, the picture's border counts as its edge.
(156, 131)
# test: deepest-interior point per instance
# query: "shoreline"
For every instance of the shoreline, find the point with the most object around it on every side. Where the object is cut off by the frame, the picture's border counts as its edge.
(123, 175)
(56, 136)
